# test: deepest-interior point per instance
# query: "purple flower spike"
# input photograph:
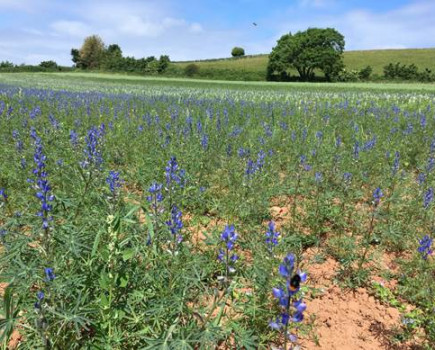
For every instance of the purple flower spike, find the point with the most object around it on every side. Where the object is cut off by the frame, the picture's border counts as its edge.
(377, 195)
(425, 246)
(290, 301)
(428, 198)
(49, 274)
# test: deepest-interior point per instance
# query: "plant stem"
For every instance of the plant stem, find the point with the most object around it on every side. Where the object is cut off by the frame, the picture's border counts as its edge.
(367, 238)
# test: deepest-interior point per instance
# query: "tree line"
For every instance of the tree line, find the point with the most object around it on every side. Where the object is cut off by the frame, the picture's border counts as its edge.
(296, 57)
(94, 54)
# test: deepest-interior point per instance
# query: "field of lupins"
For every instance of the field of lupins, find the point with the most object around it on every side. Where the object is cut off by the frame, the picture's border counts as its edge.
(146, 215)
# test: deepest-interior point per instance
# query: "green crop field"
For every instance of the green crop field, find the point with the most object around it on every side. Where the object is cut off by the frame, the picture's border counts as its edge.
(353, 60)
(151, 213)
(133, 83)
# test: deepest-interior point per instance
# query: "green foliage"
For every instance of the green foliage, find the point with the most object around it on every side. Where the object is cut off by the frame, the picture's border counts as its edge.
(75, 57)
(163, 64)
(238, 51)
(407, 72)
(364, 73)
(191, 69)
(392, 71)
(11, 317)
(6, 64)
(417, 284)
(115, 50)
(348, 76)
(49, 65)
(94, 55)
(46, 66)
(113, 59)
(91, 53)
(307, 51)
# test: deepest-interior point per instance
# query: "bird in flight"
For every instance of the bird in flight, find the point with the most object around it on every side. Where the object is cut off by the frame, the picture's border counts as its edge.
(253, 23)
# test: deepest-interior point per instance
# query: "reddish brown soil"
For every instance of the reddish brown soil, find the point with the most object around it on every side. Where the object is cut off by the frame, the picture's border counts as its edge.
(347, 320)
(15, 340)
(352, 320)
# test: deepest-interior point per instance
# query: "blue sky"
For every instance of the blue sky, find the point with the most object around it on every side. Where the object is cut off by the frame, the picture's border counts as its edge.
(35, 30)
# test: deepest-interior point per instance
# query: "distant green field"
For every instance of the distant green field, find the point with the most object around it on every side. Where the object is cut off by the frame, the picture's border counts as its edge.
(377, 59)
(116, 82)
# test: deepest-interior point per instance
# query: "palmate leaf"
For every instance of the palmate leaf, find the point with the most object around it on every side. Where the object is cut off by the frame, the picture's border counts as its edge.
(10, 312)
(245, 339)
(170, 339)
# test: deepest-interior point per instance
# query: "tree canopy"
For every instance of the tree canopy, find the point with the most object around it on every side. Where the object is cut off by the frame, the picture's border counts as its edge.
(238, 51)
(49, 65)
(307, 51)
(92, 52)
(95, 55)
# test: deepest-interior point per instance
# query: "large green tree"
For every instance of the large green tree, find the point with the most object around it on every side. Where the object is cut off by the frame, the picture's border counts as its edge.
(307, 51)
(91, 54)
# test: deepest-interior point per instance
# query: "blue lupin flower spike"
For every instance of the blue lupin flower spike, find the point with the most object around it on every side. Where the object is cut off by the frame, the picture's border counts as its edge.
(113, 181)
(377, 195)
(425, 246)
(3, 194)
(229, 237)
(40, 296)
(428, 198)
(92, 150)
(49, 274)
(156, 194)
(272, 236)
(175, 224)
(42, 185)
(292, 307)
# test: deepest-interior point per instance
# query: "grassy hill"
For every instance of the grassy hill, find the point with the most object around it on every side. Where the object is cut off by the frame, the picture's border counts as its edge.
(255, 66)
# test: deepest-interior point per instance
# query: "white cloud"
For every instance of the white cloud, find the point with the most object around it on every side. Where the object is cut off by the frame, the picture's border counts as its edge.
(407, 27)
(71, 28)
(316, 3)
(37, 57)
(32, 31)
(134, 19)
(15, 5)
(195, 28)
(170, 22)
(135, 26)
(404, 27)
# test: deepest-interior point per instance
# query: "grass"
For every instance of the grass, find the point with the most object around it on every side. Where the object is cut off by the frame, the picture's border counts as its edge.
(63, 81)
(422, 58)
(377, 59)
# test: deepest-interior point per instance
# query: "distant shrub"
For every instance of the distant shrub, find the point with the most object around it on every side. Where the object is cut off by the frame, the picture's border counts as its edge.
(238, 52)
(426, 76)
(49, 65)
(390, 71)
(6, 64)
(191, 69)
(163, 64)
(347, 76)
(399, 71)
(364, 74)
(407, 72)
